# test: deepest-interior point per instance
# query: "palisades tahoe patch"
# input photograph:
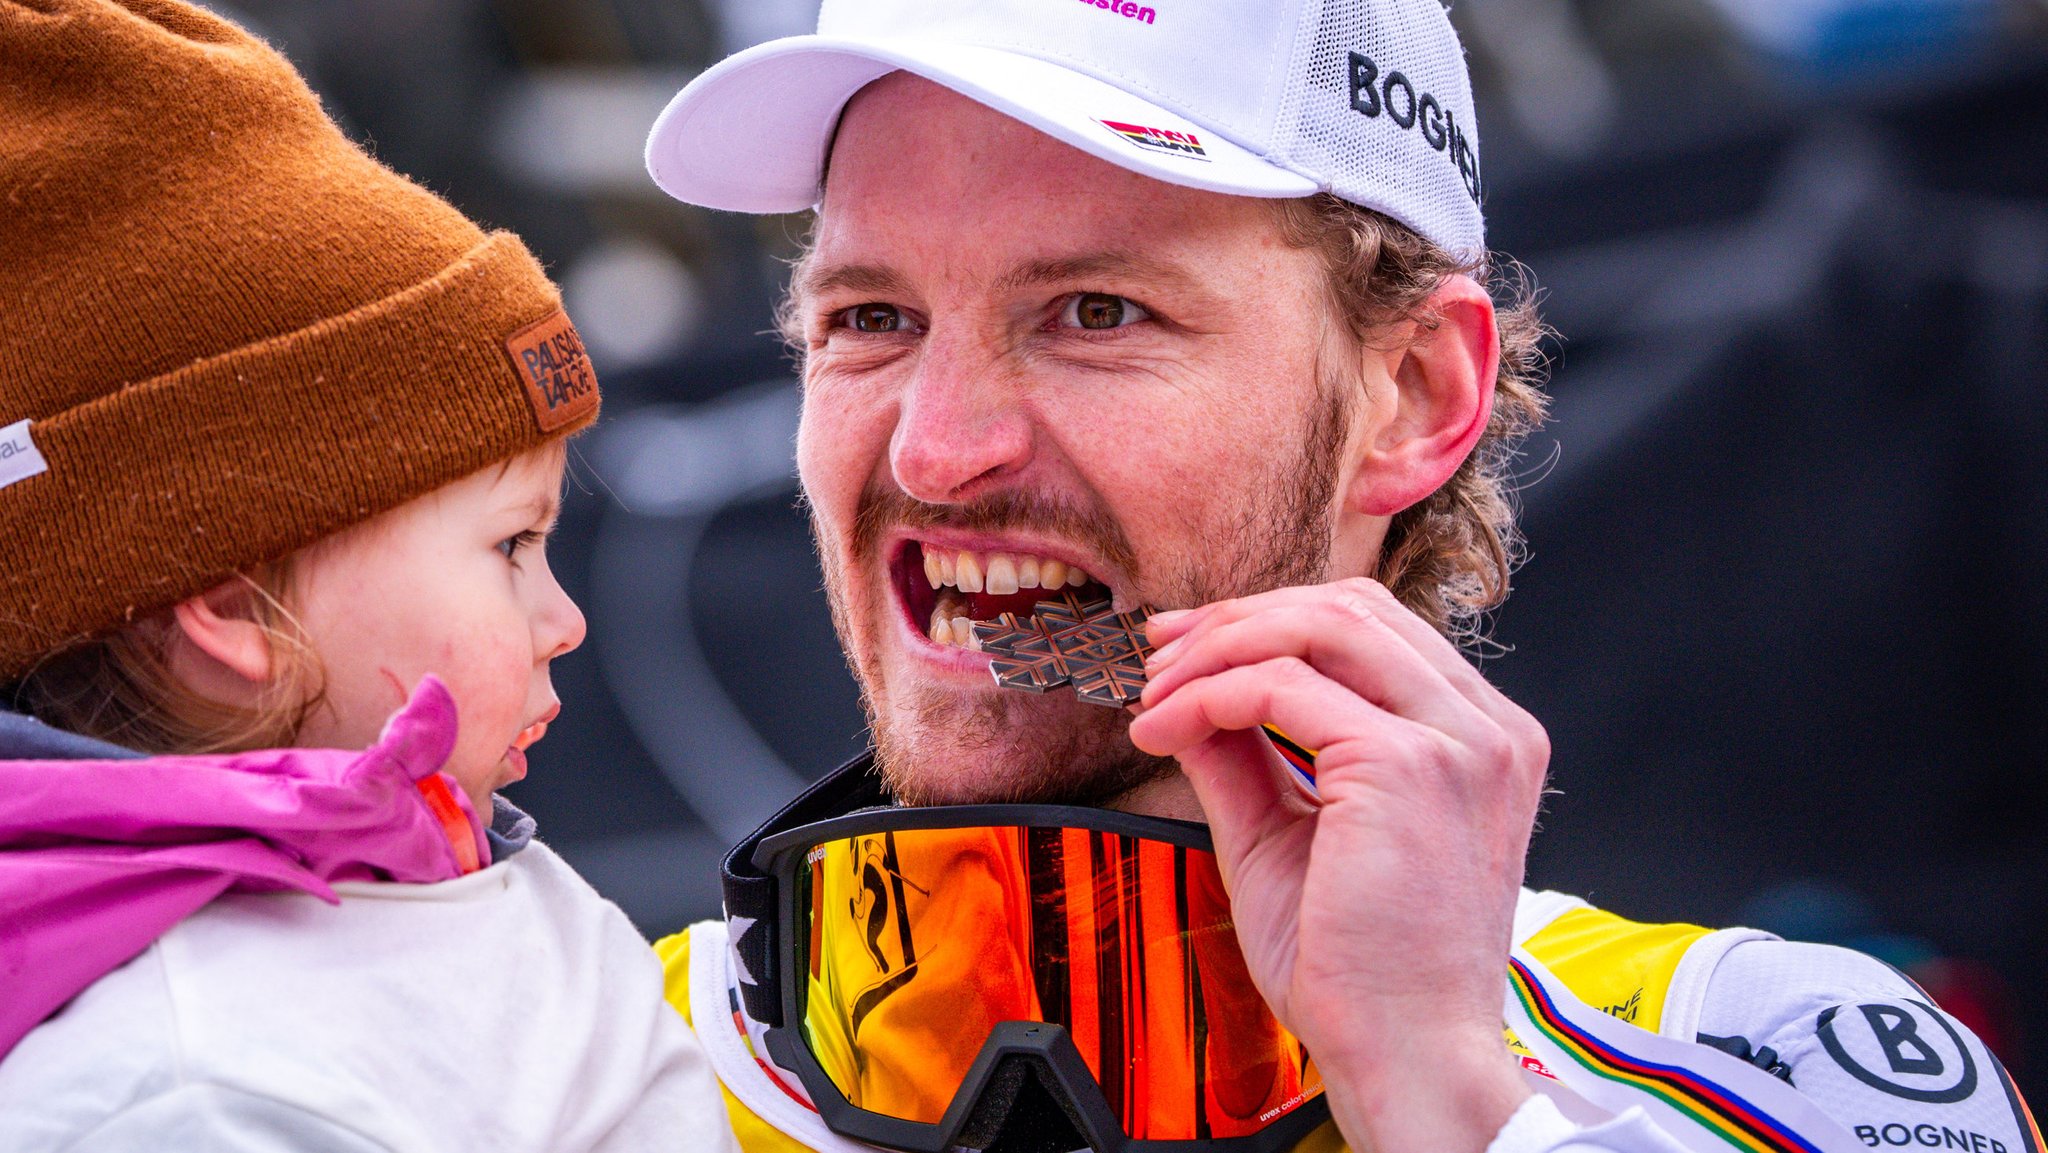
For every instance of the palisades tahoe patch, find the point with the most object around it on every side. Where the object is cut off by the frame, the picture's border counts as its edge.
(551, 361)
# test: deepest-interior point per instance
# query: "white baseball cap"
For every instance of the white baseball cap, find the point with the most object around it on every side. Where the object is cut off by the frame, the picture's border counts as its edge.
(1366, 99)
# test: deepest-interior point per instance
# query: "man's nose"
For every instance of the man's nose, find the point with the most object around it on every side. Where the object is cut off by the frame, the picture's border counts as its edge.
(962, 426)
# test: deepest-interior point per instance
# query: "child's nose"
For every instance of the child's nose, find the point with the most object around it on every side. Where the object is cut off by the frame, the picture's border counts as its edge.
(559, 627)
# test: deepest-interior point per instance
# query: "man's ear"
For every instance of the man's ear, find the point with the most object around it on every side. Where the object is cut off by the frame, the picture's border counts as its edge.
(1444, 398)
(223, 652)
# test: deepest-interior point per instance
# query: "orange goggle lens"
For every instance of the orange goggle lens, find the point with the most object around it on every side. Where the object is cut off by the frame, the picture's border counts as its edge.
(921, 941)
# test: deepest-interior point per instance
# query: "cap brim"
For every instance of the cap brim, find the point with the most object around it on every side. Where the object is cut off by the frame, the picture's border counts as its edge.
(751, 134)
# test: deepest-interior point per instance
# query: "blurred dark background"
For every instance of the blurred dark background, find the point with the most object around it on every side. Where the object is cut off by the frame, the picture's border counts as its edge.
(1786, 613)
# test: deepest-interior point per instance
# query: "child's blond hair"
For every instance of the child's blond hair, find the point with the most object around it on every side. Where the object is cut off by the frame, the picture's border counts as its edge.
(122, 688)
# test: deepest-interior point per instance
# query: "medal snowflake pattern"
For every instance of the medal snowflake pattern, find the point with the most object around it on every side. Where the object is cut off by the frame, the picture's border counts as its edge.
(1069, 641)
(1100, 652)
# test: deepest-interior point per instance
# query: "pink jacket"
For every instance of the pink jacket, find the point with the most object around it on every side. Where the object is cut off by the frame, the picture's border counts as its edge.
(99, 858)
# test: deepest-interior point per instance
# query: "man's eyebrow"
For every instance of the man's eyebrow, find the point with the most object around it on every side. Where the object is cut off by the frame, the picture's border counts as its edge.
(1099, 265)
(879, 279)
(886, 282)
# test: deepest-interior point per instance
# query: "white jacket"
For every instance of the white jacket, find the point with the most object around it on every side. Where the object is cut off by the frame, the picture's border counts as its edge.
(512, 1009)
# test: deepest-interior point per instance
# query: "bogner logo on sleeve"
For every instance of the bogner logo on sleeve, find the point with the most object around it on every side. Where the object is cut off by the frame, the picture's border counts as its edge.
(1907, 1049)
(1396, 97)
(555, 369)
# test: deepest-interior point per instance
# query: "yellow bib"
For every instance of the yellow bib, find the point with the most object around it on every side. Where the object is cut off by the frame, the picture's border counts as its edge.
(1618, 966)
(756, 1135)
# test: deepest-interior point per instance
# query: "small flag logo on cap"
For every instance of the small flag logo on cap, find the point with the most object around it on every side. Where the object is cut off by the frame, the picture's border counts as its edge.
(1159, 139)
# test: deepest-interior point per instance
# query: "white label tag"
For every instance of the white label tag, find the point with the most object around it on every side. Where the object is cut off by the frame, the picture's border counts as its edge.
(19, 456)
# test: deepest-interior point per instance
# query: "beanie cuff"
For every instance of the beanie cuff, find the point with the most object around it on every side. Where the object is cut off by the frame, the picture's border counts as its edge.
(246, 457)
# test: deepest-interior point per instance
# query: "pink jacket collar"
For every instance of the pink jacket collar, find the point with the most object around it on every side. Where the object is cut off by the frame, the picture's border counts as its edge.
(99, 858)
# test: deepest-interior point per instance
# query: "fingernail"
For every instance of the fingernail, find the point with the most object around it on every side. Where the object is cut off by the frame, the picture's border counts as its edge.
(1166, 655)
(1169, 616)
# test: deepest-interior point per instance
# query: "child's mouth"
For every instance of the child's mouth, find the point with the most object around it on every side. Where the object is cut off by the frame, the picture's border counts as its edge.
(515, 754)
(530, 736)
(945, 590)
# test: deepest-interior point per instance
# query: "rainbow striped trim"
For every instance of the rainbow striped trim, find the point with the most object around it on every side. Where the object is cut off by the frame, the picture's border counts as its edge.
(1301, 760)
(2029, 1128)
(1709, 1104)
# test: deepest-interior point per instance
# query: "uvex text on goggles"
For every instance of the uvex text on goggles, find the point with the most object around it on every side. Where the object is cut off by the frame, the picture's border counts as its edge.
(937, 975)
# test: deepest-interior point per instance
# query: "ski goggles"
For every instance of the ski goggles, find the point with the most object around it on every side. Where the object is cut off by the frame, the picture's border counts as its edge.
(948, 975)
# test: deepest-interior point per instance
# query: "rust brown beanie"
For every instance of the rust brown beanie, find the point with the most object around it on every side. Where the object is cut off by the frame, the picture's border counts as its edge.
(225, 332)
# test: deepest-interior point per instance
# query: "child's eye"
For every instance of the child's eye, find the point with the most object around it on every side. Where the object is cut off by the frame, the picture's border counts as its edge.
(518, 542)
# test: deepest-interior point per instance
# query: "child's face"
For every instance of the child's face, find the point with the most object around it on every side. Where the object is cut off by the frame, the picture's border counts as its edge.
(455, 583)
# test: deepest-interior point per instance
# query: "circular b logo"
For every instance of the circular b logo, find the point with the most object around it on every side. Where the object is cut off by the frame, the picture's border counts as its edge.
(1904, 1048)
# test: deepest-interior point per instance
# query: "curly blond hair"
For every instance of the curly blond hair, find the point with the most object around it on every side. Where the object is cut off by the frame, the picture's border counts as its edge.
(1449, 558)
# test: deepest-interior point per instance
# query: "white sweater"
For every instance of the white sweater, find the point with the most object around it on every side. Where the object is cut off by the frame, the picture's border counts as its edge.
(512, 1009)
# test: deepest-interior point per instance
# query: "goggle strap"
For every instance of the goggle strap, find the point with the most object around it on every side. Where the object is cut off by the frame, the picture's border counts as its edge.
(750, 894)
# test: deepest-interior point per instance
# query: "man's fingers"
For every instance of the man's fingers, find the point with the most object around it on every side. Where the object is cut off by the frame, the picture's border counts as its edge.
(1431, 645)
(1312, 709)
(1358, 605)
(1245, 790)
(1333, 635)
(1166, 625)
(1284, 692)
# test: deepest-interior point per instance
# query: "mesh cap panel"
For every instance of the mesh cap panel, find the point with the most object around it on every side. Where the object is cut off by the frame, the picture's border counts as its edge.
(1379, 106)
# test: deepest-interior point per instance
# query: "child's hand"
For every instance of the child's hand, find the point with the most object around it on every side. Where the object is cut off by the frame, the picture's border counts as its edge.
(417, 740)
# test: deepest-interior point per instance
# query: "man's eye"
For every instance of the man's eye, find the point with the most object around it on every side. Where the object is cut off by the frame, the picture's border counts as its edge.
(1100, 310)
(874, 318)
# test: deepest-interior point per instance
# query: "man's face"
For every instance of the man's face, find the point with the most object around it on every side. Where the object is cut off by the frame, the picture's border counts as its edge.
(1029, 366)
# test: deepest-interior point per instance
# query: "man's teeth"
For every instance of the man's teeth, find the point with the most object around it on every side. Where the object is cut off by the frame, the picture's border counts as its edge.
(998, 573)
(957, 631)
(1002, 575)
(955, 575)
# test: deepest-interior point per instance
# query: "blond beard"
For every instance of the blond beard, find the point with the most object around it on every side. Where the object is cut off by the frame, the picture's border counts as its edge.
(1015, 748)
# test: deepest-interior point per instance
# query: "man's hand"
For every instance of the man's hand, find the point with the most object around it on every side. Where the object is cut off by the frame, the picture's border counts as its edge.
(1377, 919)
